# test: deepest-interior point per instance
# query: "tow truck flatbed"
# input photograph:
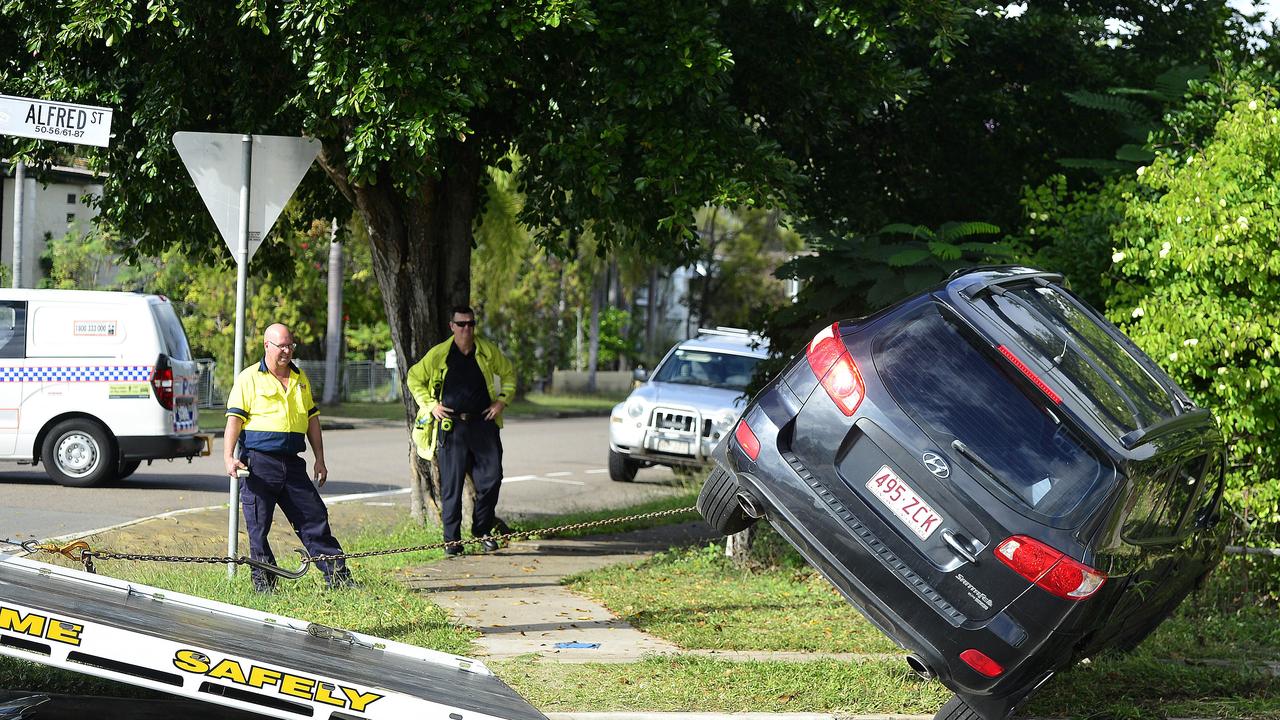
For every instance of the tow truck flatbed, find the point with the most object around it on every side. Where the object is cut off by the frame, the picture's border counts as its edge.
(233, 656)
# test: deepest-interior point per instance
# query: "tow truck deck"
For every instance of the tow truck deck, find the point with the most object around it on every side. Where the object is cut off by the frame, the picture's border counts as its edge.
(233, 656)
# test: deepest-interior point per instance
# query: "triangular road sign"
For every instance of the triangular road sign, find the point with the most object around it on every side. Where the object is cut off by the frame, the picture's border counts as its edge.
(216, 164)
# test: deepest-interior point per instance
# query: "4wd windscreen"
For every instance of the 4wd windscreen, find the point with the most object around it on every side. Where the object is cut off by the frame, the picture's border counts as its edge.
(954, 391)
(703, 367)
(175, 340)
(1104, 376)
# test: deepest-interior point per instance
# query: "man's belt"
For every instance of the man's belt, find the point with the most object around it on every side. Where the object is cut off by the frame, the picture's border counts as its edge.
(467, 417)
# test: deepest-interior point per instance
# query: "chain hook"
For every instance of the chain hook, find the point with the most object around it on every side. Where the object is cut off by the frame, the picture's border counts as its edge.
(268, 567)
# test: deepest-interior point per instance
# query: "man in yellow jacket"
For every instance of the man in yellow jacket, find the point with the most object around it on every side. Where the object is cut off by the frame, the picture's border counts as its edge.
(462, 386)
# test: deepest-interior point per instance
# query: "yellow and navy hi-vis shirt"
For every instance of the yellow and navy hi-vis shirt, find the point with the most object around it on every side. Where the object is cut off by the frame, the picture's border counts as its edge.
(275, 419)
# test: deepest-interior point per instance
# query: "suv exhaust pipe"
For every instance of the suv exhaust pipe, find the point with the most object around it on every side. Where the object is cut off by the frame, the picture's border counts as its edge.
(750, 506)
(919, 667)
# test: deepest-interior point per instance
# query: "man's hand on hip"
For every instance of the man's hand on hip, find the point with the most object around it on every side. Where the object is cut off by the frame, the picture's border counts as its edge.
(441, 412)
(494, 410)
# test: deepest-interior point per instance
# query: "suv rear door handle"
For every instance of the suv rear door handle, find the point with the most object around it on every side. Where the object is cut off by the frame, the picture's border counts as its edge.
(959, 546)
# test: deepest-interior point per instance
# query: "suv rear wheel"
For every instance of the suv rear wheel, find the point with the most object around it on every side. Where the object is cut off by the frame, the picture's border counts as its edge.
(956, 709)
(718, 503)
(78, 453)
(621, 467)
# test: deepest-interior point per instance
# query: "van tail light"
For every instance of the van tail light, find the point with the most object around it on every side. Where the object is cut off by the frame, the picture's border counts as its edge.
(747, 440)
(979, 661)
(162, 382)
(830, 361)
(1049, 568)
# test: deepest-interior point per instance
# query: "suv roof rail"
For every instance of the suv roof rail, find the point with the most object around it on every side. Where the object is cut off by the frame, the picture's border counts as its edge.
(722, 330)
(996, 284)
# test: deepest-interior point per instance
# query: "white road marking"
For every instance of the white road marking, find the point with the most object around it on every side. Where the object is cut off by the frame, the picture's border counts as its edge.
(597, 471)
(541, 478)
(557, 474)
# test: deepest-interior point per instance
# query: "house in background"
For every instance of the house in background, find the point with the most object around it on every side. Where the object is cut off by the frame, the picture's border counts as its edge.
(55, 205)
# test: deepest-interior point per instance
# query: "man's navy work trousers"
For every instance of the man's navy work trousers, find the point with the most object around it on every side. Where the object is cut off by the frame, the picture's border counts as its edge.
(472, 446)
(281, 479)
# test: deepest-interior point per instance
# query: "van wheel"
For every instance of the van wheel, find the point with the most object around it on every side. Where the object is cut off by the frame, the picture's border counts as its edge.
(956, 709)
(621, 467)
(127, 468)
(78, 453)
(718, 503)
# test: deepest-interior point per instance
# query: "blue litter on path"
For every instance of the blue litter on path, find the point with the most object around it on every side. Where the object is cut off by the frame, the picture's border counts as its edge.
(578, 645)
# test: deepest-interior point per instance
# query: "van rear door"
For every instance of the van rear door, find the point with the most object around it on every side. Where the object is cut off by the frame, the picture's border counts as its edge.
(174, 382)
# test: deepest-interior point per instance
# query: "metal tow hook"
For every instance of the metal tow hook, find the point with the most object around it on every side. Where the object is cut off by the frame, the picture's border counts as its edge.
(268, 567)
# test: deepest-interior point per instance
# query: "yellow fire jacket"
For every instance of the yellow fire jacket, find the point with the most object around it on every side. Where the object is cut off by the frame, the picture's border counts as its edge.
(426, 380)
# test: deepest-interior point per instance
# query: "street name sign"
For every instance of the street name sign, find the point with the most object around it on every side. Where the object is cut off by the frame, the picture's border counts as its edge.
(216, 164)
(58, 121)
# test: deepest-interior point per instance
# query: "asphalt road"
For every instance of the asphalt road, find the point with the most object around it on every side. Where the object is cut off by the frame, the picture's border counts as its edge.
(551, 467)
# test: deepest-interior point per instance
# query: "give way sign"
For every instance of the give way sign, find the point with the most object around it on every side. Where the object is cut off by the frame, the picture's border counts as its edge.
(216, 162)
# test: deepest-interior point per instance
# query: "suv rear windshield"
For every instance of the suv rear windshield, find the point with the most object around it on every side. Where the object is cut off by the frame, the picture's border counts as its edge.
(705, 367)
(1100, 371)
(956, 392)
(175, 340)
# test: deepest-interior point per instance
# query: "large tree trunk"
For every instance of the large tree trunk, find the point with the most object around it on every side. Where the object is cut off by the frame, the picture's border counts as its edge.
(421, 247)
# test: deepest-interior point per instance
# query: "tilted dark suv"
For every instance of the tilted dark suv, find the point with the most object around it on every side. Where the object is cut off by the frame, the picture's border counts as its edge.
(992, 473)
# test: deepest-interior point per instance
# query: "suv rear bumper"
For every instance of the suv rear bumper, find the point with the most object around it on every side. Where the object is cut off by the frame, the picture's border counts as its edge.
(161, 447)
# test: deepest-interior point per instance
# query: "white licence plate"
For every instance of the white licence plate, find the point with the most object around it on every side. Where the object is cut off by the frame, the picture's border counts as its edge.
(898, 496)
(673, 446)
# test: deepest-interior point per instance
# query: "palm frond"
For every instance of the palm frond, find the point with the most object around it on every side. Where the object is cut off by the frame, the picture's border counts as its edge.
(1135, 153)
(956, 230)
(909, 256)
(905, 229)
(1110, 104)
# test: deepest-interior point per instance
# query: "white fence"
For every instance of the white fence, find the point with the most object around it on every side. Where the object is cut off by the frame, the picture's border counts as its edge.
(361, 381)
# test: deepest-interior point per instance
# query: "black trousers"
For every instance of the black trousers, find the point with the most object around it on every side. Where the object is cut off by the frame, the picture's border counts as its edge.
(282, 480)
(470, 447)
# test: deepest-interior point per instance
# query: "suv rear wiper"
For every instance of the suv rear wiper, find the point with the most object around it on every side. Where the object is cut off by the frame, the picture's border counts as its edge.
(976, 459)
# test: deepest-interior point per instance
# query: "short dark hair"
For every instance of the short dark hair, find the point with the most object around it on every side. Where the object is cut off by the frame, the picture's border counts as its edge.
(461, 310)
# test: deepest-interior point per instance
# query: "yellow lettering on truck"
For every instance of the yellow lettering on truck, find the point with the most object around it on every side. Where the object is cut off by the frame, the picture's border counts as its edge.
(299, 686)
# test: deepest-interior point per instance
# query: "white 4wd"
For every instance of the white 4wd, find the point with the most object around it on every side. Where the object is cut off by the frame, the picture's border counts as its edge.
(687, 405)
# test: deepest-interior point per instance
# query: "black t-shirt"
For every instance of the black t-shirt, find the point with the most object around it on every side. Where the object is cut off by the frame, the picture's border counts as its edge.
(465, 389)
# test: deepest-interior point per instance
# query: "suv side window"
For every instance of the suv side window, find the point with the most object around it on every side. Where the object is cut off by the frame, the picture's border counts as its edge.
(13, 329)
(1162, 502)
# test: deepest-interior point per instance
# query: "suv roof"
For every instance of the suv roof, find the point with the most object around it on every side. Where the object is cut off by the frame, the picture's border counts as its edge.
(729, 340)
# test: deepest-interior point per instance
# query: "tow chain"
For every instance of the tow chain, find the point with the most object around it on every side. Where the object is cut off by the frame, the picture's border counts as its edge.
(80, 550)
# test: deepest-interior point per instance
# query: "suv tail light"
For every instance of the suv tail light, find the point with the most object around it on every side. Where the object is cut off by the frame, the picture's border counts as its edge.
(979, 661)
(162, 382)
(747, 440)
(1049, 568)
(830, 361)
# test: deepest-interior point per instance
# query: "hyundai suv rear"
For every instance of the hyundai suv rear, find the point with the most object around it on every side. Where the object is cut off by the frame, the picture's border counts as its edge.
(991, 472)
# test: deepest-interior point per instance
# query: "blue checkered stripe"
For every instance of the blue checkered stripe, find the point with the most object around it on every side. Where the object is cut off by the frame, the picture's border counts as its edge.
(77, 373)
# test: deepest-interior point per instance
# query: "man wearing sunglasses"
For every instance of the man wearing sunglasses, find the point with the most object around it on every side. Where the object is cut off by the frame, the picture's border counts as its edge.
(462, 386)
(270, 410)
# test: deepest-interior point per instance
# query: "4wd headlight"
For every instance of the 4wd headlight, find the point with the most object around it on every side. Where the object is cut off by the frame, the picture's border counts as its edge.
(635, 408)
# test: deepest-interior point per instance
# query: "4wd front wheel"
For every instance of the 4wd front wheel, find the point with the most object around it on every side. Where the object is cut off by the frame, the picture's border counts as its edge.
(78, 453)
(718, 503)
(621, 467)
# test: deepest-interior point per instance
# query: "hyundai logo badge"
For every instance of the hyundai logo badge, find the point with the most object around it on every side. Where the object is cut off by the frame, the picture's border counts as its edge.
(936, 464)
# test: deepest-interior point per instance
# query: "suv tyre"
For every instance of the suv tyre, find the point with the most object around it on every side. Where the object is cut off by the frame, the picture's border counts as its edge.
(621, 467)
(956, 709)
(79, 453)
(718, 503)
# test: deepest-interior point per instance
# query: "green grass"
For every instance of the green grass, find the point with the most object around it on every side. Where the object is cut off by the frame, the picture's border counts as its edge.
(696, 598)
(709, 685)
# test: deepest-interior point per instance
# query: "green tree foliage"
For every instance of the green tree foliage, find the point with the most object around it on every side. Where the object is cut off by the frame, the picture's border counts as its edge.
(859, 274)
(738, 252)
(1197, 283)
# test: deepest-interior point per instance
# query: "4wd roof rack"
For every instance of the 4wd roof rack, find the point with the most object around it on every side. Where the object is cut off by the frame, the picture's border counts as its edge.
(233, 656)
(996, 284)
(721, 330)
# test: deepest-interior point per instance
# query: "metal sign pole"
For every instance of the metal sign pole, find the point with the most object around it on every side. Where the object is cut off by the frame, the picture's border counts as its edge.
(19, 181)
(242, 280)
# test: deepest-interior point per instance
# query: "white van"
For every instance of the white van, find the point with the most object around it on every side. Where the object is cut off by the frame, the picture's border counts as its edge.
(93, 383)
